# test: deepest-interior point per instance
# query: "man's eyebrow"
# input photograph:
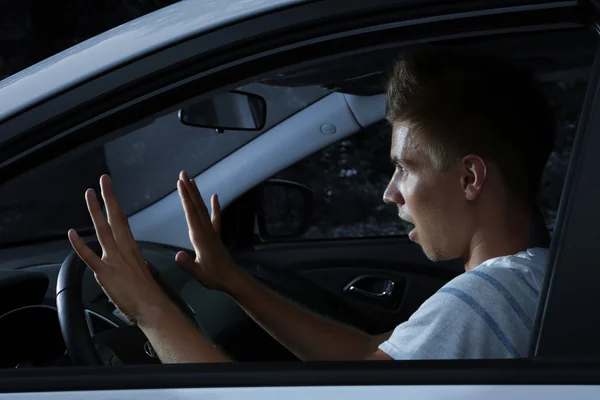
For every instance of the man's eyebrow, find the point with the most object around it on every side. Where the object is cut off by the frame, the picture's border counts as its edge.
(397, 160)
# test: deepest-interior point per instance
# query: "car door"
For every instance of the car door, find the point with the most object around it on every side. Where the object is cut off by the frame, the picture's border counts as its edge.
(564, 313)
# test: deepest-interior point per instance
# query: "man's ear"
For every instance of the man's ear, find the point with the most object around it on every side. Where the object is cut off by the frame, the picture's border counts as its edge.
(474, 172)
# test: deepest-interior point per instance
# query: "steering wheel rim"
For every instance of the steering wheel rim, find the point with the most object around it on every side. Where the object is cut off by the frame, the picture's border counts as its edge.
(71, 311)
(80, 345)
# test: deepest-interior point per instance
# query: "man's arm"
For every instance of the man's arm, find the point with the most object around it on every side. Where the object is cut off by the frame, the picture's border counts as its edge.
(379, 356)
(308, 335)
(174, 339)
(127, 281)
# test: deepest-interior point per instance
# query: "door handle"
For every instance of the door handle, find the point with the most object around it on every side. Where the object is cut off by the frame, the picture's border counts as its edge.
(371, 286)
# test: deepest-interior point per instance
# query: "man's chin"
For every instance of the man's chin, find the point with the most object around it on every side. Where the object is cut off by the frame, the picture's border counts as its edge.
(429, 252)
(431, 255)
(434, 254)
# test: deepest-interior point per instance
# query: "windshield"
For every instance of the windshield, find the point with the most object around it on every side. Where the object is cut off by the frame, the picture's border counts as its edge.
(144, 166)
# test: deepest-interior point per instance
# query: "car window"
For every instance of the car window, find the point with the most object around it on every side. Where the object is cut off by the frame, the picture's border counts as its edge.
(565, 96)
(144, 166)
(348, 178)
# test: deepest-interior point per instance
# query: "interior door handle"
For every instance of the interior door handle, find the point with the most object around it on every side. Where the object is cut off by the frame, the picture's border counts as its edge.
(371, 286)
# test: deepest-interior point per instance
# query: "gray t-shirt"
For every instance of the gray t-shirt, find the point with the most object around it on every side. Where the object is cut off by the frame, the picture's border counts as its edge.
(487, 312)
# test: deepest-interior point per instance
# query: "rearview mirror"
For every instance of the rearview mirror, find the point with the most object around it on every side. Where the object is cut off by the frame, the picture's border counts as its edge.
(235, 110)
(284, 209)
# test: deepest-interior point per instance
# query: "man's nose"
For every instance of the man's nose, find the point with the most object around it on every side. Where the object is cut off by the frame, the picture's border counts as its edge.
(392, 195)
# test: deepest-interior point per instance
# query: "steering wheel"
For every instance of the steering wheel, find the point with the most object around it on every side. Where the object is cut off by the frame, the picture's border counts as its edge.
(128, 345)
(123, 345)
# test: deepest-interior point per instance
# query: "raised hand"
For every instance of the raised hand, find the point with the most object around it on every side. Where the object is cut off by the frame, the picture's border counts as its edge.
(121, 271)
(212, 264)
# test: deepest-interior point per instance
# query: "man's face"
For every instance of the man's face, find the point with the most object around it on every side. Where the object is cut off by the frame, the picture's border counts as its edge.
(430, 199)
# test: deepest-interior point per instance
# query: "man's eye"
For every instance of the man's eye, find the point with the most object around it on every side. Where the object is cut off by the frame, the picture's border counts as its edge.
(400, 169)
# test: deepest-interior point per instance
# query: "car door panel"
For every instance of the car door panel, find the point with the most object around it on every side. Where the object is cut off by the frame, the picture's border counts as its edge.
(373, 266)
(410, 291)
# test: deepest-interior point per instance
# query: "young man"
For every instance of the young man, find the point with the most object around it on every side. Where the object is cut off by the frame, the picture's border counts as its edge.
(470, 140)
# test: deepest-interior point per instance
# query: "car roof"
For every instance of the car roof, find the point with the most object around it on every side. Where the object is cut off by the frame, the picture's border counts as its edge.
(122, 44)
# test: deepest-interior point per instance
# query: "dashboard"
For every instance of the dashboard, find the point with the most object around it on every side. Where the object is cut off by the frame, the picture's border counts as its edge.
(23, 318)
(29, 324)
(33, 338)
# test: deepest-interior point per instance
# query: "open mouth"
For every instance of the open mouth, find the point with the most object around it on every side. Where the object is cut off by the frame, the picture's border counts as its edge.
(412, 230)
(412, 234)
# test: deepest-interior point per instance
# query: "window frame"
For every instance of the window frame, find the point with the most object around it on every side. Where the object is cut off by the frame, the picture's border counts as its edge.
(569, 290)
(468, 372)
(175, 75)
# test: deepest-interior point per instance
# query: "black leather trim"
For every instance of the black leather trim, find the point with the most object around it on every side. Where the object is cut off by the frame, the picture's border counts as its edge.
(71, 314)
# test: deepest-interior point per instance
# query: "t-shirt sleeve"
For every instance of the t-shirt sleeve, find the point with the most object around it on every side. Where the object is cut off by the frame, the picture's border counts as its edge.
(449, 325)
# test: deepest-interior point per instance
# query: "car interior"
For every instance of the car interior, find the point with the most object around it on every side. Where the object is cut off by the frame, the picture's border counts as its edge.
(371, 281)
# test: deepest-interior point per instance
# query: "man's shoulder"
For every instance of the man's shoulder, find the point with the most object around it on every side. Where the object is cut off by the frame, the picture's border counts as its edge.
(505, 288)
(489, 311)
(520, 272)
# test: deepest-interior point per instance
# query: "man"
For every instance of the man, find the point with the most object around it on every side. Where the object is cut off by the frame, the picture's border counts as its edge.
(470, 140)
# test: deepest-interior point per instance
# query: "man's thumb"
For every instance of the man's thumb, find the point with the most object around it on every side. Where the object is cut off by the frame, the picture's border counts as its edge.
(184, 260)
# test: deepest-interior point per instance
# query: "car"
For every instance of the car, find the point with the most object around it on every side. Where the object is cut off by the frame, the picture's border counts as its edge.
(296, 147)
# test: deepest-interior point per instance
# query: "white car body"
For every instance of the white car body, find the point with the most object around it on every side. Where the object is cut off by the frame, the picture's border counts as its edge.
(446, 392)
(121, 45)
(283, 145)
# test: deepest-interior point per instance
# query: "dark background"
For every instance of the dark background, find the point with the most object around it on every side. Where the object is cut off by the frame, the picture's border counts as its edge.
(32, 30)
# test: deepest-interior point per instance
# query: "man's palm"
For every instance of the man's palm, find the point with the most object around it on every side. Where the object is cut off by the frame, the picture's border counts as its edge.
(212, 263)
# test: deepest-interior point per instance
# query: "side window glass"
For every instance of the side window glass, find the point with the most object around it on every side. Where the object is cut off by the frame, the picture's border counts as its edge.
(143, 164)
(347, 179)
(565, 95)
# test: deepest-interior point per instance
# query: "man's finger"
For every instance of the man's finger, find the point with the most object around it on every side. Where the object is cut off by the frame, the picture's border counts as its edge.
(118, 222)
(84, 252)
(115, 214)
(185, 261)
(103, 229)
(215, 213)
(190, 214)
(196, 197)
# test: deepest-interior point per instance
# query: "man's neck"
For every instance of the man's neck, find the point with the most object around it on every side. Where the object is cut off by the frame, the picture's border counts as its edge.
(503, 237)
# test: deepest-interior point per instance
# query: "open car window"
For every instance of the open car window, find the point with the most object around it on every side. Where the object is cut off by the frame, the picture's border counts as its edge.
(348, 178)
(144, 165)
